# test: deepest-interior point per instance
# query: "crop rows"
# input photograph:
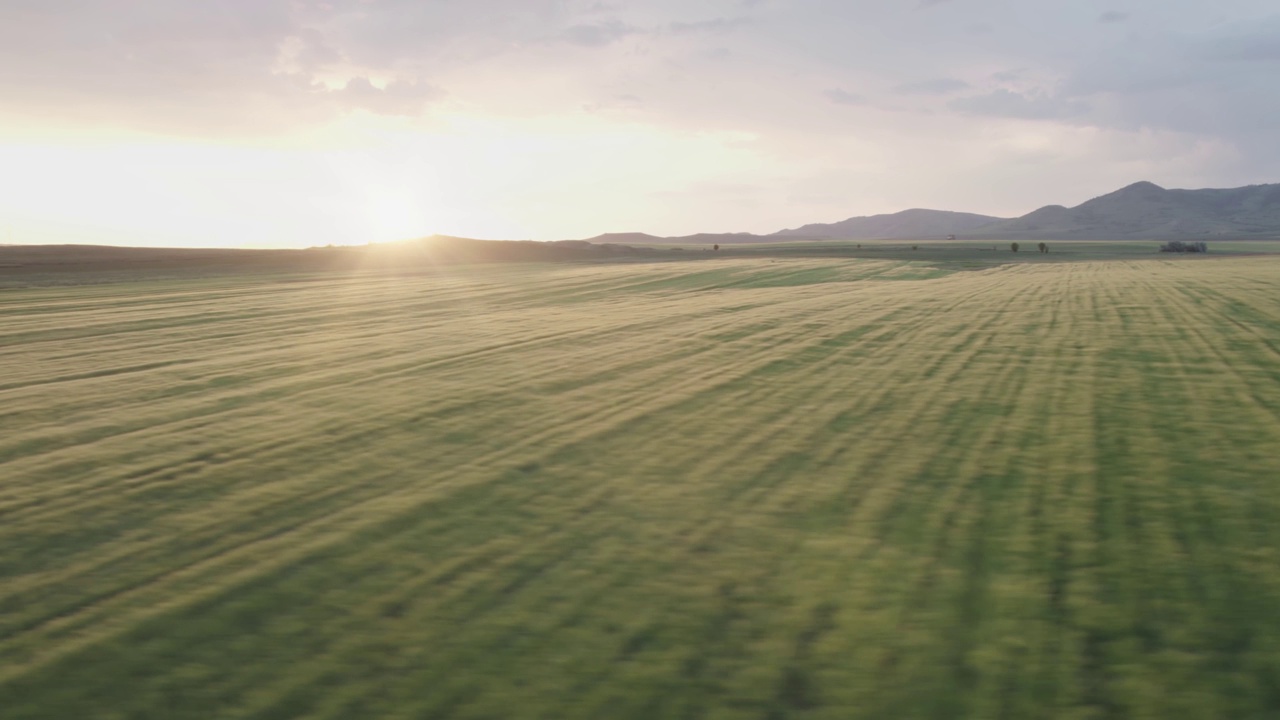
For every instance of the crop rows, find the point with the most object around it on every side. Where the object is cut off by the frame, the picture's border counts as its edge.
(724, 489)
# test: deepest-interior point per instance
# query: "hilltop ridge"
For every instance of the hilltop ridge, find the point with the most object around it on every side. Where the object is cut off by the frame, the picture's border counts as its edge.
(1142, 210)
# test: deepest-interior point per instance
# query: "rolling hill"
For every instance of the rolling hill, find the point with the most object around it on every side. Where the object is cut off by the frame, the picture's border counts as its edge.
(914, 223)
(1145, 210)
(639, 238)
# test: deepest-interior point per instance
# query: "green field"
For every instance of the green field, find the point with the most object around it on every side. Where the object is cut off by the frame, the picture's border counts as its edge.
(741, 487)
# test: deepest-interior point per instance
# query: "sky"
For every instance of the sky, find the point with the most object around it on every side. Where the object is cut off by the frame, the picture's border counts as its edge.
(294, 123)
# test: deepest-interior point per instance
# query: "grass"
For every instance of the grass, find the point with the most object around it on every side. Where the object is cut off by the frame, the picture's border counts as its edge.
(735, 488)
(973, 254)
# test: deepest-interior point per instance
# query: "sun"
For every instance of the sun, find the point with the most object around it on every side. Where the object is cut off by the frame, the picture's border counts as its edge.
(396, 214)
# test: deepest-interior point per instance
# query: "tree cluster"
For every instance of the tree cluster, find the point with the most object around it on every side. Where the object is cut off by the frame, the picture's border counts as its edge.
(1184, 247)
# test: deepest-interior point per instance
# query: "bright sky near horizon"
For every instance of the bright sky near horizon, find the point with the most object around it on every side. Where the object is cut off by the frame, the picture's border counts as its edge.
(292, 123)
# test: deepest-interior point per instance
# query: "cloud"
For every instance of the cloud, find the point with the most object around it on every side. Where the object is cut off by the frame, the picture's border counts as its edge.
(1027, 106)
(1251, 43)
(600, 34)
(251, 68)
(396, 98)
(938, 86)
(1008, 76)
(307, 51)
(707, 26)
(603, 7)
(158, 66)
(1214, 81)
(623, 103)
(844, 97)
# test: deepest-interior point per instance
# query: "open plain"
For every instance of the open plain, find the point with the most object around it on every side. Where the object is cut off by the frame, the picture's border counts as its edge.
(742, 487)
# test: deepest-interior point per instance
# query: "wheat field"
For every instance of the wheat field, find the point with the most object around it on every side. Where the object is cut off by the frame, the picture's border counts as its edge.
(733, 488)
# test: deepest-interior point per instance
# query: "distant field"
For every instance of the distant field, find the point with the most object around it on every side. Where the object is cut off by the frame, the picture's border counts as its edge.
(736, 488)
(977, 253)
(27, 266)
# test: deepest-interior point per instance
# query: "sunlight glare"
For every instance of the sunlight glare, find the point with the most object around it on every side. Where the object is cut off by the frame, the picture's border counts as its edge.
(396, 214)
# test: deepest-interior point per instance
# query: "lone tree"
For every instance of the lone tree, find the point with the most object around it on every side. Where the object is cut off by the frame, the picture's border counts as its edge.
(1044, 248)
(715, 247)
(1013, 247)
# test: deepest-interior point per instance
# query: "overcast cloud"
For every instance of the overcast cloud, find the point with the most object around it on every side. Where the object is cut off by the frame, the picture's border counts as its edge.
(565, 118)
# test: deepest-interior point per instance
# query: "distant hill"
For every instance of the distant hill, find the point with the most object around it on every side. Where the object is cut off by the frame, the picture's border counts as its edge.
(25, 265)
(1141, 211)
(447, 249)
(639, 238)
(1145, 210)
(627, 237)
(914, 223)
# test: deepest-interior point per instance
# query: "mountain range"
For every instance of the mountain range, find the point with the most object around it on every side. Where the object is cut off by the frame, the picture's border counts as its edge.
(1142, 210)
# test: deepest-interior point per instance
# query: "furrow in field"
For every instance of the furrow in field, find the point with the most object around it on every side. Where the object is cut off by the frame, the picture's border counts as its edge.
(246, 451)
